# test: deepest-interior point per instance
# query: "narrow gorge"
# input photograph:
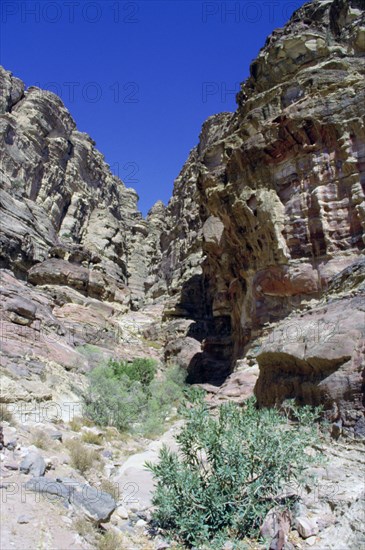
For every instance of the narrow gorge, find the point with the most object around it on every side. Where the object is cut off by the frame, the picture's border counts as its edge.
(252, 278)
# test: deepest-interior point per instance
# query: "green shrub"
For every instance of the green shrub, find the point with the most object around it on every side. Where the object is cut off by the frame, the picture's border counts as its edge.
(164, 394)
(93, 354)
(91, 438)
(17, 184)
(77, 422)
(139, 370)
(229, 471)
(130, 397)
(113, 401)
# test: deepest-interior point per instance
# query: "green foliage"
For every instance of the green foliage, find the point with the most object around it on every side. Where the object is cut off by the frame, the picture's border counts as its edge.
(230, 470)
(17, 184)
(113, 401)
(77, 422)
(93, 353)
(139, 370)
(130, 397)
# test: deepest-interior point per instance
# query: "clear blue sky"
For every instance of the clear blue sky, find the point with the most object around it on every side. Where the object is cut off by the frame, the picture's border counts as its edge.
(139, 77)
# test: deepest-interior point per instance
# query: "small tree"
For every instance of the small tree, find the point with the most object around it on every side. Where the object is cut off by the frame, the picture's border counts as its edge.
(112, 401)
(229, 471)
(129, 397)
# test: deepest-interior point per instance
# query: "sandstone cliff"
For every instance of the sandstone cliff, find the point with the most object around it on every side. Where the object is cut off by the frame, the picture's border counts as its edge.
(278, 211)
(71, 245)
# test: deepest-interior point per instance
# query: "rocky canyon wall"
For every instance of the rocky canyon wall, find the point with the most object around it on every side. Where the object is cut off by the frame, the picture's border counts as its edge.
(74, 251)
(279, 187)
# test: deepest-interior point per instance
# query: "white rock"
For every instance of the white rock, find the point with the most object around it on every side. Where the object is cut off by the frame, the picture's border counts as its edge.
(306, 527)
(141, 524)
(122, 512)
(66, 520)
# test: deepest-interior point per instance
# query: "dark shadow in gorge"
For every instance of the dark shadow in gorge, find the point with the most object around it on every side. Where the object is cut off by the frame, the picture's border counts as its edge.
(213, 364)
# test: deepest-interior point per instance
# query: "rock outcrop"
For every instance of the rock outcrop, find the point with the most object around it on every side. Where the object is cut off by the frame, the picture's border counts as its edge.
(71, 245)
(281, 204)
(58, 195)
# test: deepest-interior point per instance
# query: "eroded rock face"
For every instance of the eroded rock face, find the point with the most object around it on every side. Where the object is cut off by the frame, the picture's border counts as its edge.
(72, 247)
(177, 278)
(57, 191)
(289, 185)
(317, 357)
(281, 185)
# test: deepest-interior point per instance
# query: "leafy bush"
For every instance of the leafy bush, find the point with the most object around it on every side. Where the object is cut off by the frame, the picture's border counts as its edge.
(130, 397)
(229, 471)
(139, 370)
(93, 354)
(113, 401)
(17, 184)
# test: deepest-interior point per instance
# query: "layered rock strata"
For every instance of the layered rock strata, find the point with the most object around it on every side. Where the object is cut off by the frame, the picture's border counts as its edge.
(281, 195)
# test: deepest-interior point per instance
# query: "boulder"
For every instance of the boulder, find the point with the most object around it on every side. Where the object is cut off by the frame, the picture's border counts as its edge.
(96, 505)
(276, 527)
(22, 307)
(306, 527)
(122, 512)
(34, 464)
(49, 486)
(318, 358)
